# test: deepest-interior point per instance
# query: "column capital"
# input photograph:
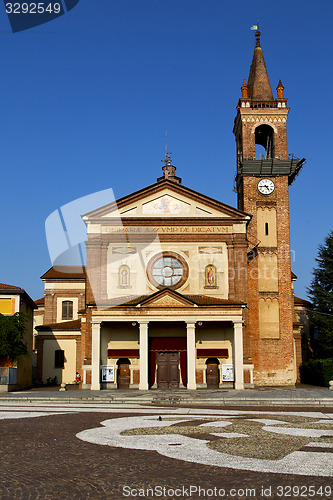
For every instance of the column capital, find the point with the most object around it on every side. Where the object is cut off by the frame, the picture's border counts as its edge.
(238, 322)
(190, 324)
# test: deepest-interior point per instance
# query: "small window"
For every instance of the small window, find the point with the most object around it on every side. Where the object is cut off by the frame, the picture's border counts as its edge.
(59, 358)
(266, 228)
(67, 309)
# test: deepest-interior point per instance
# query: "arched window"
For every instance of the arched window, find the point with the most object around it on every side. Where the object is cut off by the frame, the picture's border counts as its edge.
(67, 309)
(210, 276)
(264, 136)
(124, 276)
(212, 361)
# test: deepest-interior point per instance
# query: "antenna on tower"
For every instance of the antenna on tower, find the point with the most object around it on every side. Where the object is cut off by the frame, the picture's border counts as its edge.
(255, 27)
(167, 159)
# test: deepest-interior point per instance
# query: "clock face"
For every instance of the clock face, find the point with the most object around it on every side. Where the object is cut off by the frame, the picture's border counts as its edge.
(266, 186)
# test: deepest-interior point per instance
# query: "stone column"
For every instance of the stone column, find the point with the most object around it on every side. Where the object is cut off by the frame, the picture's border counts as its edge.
(297, 351)
(143, 385)
(95, 357)
(191, 356)
(238, 355)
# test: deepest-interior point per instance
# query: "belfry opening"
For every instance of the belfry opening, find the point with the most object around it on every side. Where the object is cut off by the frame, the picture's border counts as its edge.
(264, 136)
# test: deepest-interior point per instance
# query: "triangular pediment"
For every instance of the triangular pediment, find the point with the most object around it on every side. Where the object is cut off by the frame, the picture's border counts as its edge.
(167, 298)
(165, 199)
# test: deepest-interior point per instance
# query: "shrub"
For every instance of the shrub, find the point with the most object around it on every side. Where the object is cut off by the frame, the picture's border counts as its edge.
(12, 330)
(317, 372)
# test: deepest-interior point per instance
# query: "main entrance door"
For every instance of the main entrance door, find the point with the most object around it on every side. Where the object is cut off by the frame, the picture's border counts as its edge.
(123, 373)
(167, 370)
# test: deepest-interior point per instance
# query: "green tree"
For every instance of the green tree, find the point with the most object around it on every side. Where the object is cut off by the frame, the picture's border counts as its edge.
(321, 295)
(12, 329)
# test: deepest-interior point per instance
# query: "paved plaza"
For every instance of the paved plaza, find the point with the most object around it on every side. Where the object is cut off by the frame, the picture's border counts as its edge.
(103, 450)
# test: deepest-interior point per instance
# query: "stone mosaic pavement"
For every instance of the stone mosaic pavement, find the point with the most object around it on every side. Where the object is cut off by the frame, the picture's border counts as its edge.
(103, 451)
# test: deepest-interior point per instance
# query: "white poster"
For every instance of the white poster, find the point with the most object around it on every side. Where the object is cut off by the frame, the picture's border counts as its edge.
(108, 373)
(227, 373)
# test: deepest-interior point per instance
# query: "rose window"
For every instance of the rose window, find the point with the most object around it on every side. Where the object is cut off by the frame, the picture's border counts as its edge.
(167, 270)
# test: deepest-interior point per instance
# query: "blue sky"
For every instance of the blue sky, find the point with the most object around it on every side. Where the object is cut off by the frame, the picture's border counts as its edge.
(86, 100)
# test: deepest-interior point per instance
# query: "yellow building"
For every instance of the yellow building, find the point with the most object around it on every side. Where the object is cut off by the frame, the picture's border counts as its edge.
(18, 374)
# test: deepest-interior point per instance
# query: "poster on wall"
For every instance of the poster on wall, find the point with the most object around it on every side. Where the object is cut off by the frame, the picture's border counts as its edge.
(227, 373)
(108, 373)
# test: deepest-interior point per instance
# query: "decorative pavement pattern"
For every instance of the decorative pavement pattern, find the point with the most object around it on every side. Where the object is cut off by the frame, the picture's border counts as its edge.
(289, 444)
(103, 451)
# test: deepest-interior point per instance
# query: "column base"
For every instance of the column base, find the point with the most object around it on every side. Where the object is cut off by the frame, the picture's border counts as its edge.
(143, 387)
(239, 386)
(191, 387)
(95, 387)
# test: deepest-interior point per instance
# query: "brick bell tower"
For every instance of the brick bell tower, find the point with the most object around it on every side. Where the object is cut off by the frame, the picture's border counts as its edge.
(263, 191)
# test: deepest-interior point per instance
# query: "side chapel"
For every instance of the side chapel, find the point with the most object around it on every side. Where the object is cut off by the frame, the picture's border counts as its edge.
(182, 290)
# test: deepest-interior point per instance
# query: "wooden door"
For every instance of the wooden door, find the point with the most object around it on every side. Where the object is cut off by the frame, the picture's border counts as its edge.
(168, 370)
(124, 376)
(212, 376)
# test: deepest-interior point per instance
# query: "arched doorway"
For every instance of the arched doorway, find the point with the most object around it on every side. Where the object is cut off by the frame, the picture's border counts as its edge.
(212, 373)
(123, 373)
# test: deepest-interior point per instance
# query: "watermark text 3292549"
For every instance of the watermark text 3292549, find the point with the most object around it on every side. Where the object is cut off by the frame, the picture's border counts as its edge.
(23, 15)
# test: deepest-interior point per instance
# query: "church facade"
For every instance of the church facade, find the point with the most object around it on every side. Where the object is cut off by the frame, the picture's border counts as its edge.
(179, 289)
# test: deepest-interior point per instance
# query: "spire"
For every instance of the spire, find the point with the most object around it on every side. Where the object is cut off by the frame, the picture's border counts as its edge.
(168, 169)
(259, 88)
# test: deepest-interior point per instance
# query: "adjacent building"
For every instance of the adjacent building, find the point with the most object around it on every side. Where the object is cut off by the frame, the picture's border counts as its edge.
(17, 374)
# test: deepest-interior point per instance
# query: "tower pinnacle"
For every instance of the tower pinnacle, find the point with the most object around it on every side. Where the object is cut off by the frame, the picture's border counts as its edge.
(259, 87)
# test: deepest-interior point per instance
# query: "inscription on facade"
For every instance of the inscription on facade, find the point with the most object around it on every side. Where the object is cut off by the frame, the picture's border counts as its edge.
(167, 229)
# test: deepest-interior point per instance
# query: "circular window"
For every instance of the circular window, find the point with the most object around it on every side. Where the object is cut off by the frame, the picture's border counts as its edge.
(167, 270)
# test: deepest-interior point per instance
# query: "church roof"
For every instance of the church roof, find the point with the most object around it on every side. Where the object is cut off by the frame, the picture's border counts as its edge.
(173, 187)
(40, 302)
(66, 272)
(259, 87)
(65, 325)
(302, 302)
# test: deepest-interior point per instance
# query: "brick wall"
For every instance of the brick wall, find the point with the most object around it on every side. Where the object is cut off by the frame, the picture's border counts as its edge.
(51, 296)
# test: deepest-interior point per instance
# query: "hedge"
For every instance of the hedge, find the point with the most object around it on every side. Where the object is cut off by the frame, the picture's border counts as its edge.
(317, 372)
